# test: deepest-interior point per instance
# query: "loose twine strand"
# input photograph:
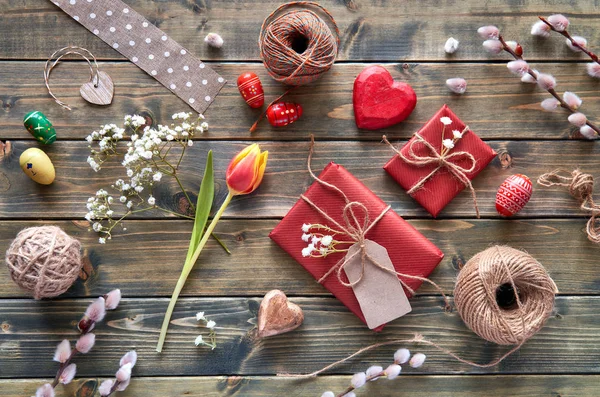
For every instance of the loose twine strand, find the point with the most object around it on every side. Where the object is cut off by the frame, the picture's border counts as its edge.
(475, 299)
(277, 34)
(581, 187)
(442, 160)
(61, 53)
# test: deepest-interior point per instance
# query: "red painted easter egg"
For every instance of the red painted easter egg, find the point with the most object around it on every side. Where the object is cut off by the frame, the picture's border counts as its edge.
(283, 113)
(251, 89)
(513, 194)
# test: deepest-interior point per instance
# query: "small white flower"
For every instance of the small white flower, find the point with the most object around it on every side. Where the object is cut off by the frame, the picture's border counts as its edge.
(210, 324)
(451, 45)
(578, 40)
(200, 316)
(306, 227)
(457, 134)
(448, 144)
(102, 240)
(123, 199)
(190, 143)
(358, 380)
(129, 204)
(393, 371)
(157, 176)
(308, 250)
(417, 360)
(588, 132)
(401, 356)
(446, 120)
(97, 227)
(373, 371)
(550, 104)
(328, 394)
(306, 237)
(199, 339)
(204, 125)
(326, 240)
(315, 240)
(540, 29)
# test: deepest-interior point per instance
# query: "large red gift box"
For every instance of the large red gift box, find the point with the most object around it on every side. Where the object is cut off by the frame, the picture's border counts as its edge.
(443, 186)
(410, 252)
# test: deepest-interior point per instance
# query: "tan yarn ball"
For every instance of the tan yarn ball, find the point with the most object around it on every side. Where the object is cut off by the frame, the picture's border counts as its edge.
(44, 261)
(475, 295)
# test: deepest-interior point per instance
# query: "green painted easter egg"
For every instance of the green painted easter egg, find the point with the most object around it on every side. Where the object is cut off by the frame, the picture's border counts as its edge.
(37, 165)
(40, 127)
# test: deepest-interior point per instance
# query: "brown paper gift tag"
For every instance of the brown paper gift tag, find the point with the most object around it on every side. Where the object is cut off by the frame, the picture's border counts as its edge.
(379, 293)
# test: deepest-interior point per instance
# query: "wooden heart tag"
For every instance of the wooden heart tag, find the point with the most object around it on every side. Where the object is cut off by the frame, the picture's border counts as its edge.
(277, 315)
(100, 93)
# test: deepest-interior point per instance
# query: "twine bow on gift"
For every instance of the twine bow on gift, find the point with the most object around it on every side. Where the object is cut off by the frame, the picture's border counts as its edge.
(356, 231)
(581, 187)
(445, 158)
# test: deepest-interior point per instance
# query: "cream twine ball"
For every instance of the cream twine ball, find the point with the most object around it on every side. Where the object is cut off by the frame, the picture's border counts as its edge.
(44, 261)
(485, 297)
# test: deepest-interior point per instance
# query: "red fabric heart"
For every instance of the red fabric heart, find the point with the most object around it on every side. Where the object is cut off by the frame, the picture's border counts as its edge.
(379, 101)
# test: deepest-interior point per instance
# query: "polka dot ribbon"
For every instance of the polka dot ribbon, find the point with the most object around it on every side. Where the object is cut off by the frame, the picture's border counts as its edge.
(149, 48)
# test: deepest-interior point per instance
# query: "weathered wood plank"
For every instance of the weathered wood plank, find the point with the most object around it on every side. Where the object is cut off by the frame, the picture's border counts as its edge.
(496, 106)
(376, 31)
(569, 343)
(416, 386)
(258, 265)
(286, 178)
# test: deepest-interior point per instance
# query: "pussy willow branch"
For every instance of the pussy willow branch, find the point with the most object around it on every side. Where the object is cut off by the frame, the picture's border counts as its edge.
(367, 380)
(566, 34)
(551, 91)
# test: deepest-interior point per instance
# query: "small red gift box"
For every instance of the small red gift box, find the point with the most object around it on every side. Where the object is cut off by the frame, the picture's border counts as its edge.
(410, 252)
(441, 187)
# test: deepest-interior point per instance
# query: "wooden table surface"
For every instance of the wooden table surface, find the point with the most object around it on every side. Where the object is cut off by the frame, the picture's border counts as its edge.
(407, 37)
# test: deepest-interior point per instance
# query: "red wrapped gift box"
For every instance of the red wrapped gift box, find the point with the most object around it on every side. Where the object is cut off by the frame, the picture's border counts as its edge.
(410, 252)
(443, 186)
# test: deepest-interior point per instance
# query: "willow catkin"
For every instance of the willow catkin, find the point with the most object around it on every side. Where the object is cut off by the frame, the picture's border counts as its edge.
(278, 36)
(475, 295)
(44, 261)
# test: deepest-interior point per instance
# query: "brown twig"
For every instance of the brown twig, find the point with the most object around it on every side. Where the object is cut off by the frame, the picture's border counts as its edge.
(566, 34)
(551, 91)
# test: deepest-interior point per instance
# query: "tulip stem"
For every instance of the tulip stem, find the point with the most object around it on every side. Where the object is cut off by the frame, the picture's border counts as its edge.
(187, 268)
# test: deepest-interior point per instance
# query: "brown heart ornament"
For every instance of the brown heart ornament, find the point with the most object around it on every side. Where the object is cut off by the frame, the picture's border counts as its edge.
(98, 91)
(277, 315)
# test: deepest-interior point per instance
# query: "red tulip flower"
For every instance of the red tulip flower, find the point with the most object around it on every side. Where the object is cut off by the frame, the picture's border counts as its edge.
(244, 174)
(245, 171)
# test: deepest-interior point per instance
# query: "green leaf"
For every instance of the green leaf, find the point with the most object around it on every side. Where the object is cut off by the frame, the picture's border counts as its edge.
(203, 205)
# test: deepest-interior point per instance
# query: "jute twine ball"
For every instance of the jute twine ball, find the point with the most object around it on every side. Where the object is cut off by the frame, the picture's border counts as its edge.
(297, 46)
(486, 300)
(44, 261)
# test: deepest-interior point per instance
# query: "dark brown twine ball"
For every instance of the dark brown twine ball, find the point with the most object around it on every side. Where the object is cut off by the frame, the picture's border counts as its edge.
(504, 295)
(297, 46)
(44, 261)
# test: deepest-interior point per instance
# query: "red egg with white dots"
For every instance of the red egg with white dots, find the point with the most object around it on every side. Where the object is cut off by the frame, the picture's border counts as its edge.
(513, 194)
(283, 113)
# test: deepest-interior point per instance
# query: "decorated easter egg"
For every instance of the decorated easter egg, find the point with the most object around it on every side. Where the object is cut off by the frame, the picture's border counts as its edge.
(513, 194)
(283, 113)
(37, 165)
(251, 89)
(40, 127)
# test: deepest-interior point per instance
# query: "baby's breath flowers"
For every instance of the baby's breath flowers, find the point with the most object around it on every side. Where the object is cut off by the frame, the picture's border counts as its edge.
(321, 241)
(212, 333)
(375, 372)
(64, 352)
(152, 153)
(571, 102)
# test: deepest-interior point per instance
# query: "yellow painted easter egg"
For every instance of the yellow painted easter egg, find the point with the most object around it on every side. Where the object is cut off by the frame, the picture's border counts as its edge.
(37, 165)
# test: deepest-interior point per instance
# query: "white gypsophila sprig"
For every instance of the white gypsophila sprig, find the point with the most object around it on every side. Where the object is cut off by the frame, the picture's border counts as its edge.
(212, 333)
(321, 241)
(151, 154)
